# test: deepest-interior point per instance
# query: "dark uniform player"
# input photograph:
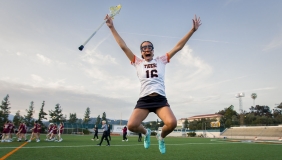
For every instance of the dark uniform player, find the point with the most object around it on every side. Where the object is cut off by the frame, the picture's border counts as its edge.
(105, 133)
(95, 133)
(109, 132)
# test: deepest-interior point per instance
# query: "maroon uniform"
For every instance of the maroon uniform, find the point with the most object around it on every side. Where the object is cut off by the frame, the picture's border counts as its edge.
(21, 128)
(11, 128)
(38, 128)
(55, 129)
(35, 128)
(50, 129)
(6, 128)
(24, 129)
(61, 128)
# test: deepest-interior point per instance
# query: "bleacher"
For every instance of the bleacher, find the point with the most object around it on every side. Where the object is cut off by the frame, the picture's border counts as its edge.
(259, 132)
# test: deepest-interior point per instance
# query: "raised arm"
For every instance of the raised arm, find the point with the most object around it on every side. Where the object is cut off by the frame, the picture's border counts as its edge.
(182, 42)
(118, 39)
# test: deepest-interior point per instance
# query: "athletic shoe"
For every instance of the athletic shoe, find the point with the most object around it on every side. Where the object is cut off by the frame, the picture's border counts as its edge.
(108, 145)
(161, 143)
(29, 141)
(2, 141)
(38, 140)
(126, 140)
(92, 139)
(147, 141)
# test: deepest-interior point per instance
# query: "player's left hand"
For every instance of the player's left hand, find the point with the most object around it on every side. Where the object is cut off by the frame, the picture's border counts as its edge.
(196, 23)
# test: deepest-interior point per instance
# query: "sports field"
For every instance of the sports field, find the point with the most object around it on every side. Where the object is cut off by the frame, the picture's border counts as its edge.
(82, 148)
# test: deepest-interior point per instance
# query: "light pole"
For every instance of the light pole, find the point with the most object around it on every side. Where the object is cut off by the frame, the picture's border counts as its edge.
(254, 96)
(240, 95)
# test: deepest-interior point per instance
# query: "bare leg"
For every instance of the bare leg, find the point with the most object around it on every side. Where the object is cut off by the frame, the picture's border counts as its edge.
(167, 116)
(135, 120)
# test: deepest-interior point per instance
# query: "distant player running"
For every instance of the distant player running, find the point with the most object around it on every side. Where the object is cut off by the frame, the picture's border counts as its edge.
(34, 132)
(151, 73)
(50, 131)
(61, 130)
(95, 133)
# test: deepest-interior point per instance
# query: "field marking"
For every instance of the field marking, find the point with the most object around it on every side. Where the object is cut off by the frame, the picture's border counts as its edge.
(214, 142)
(13, 151)
(105, 145)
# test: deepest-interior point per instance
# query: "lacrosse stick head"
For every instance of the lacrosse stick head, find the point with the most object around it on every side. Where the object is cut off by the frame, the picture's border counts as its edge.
(114, 10)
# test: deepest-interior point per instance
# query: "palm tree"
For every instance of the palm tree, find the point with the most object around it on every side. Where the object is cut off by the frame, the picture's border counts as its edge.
(254, 96)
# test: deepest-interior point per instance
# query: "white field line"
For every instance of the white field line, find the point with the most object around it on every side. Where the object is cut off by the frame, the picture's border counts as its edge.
(113, 145)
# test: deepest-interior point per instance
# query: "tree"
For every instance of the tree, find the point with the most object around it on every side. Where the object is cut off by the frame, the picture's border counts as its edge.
(17, 118)
(29, 117)
(4, 110)
(186, 123)
(280, 105)
(86, 115)
(262, 111)
(42, 114)
(228, 116)
(98, 120)
(193, 125)
(73, 118)
(104, 117)
(56, 116)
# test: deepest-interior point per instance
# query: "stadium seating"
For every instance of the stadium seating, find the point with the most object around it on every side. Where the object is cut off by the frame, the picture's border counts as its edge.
(261, 132)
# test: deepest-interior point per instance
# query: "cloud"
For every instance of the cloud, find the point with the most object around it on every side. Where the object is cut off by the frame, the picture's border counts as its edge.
(190, 71)
(266, 88)
(274, 44)
(152, 35)
(36, 78)
(43, 59)
(227, 2)
(19, 53)
(71, 101)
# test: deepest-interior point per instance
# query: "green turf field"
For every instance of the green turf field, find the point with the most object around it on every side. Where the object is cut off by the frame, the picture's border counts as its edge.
(82, 148)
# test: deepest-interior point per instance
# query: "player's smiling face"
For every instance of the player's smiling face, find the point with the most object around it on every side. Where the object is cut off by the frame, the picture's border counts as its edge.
(147, 51)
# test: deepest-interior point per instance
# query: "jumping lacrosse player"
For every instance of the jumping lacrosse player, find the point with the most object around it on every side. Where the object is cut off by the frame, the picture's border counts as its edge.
(151, 73)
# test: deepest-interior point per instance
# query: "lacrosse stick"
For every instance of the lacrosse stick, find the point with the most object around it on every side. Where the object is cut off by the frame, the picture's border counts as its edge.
(114, 10)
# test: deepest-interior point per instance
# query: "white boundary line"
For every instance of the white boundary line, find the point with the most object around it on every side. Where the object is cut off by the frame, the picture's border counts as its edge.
(129, 145)
(110, 146)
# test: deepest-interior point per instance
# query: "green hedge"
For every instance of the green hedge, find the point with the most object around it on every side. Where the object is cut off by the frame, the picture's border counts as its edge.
(191, 134)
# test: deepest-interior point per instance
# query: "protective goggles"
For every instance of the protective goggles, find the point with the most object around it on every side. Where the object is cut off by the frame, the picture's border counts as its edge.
(147, 48)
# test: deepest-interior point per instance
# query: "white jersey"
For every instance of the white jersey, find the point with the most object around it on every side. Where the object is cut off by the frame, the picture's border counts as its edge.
(151, 74)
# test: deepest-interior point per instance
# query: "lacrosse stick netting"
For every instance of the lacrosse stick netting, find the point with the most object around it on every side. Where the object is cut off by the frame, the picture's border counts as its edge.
(114, 10)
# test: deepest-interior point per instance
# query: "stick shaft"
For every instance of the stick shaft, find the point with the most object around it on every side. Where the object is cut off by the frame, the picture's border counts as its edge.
(94, 33)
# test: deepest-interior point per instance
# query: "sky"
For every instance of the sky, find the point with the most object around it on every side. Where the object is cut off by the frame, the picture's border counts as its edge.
(237, 49)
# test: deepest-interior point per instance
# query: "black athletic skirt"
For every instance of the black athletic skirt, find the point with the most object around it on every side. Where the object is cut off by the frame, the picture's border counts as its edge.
(152, 103)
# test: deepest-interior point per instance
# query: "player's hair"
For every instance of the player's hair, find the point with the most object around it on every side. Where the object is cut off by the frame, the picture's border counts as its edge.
(141, 46)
